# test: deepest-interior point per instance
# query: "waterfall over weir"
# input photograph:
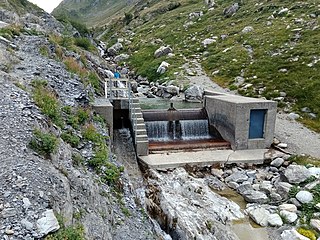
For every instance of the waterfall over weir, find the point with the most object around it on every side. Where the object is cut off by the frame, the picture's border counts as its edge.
(160, 131)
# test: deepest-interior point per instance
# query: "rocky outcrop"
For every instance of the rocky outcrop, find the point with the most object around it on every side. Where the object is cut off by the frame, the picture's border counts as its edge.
(188, 208)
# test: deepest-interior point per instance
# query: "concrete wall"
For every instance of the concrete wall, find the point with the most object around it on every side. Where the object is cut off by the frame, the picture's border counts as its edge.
(230, 115)
(103, 107)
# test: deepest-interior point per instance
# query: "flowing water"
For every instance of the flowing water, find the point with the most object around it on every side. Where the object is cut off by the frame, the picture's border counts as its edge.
(161, 131)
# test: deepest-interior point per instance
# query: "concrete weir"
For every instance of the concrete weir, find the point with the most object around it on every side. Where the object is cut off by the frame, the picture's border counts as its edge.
(234, 129)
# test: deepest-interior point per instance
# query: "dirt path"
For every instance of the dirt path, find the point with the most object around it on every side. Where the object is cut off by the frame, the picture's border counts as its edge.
(300, 139)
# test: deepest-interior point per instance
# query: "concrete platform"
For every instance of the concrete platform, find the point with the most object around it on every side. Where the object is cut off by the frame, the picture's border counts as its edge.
(204, 158)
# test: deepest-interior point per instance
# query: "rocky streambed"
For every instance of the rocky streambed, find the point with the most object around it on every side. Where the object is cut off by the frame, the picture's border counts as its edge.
(193, 203)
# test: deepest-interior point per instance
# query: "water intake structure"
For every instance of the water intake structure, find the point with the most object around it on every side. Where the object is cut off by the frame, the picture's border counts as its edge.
(174, 129)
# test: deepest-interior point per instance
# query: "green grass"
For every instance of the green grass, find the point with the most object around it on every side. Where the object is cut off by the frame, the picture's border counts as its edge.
(47, 102)
(305, 160)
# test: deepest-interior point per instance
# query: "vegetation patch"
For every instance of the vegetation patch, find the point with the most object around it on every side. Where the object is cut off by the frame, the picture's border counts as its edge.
(73, 232)
(47, 102)
(43, 143)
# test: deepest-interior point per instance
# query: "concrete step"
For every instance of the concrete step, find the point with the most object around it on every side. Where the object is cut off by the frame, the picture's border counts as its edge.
(138, 121)
(140, 138)
(137, 115)
(141, 132)
(136, 111)
(141, 126)
(135, 100)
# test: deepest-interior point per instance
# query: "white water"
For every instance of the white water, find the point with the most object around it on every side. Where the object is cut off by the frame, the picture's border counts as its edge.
(183, 130)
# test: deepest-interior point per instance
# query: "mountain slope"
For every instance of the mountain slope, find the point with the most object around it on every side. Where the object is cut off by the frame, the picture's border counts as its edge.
(91, 12)
(266, 49)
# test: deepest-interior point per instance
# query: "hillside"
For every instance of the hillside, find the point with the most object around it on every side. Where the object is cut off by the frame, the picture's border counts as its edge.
(267, 49)
(92, 13)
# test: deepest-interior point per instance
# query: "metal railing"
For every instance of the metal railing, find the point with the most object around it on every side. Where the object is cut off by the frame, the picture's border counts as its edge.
(117, 88)
(120, 88)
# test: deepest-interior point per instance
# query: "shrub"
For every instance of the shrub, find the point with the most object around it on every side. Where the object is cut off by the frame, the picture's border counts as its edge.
(83, 115)
(84, 43)
(90, 133)
(47, 102)
(43, 143)
(70, 138)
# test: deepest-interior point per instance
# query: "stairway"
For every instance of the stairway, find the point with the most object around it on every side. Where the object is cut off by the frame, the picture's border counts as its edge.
(139, 128)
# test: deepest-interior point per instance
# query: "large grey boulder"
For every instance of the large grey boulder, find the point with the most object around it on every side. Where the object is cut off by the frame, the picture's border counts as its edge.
(48, 223)
(237, 177)
(304, 196)
(275, 220)
(283, 188)
(173, 90)
(162, 51)
(277, 162)
(253, 196)
(288, 207)
(296, 173)
(290, 217)
(259, 216)
(114, 49)
(121, 57)
(315, 223)
(194, 93)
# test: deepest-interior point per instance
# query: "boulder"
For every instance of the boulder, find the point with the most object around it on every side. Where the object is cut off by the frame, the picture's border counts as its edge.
(48, 223)
(210, 3)
(259, 216)
(277, 162)
(296, 173)
(113, 50)
(237, 177)
(292, 234)
(266, 187)
(209, 41)
(315, 223)
(283, 188)
(314, 171)
(195, 15)
(230, 11)
(288, 207)
(253, 196)
(173, 90)
(275, 220)
(121, 57)
(162, 51)
(163, 67)
(247, 29)
(245, 186)
(304, 196)
(289, 217)
(293, 116)
(194, 93)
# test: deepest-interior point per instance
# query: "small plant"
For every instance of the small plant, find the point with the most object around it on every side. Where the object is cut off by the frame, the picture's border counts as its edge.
(75, 232)
(125, 211)
(84, 43)
(90, 133)
(77, 159)
(83, 115)
(293, 191)
(71, 138)
(43, 143)
(47, 102)
(307, 233)
(44, 51)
